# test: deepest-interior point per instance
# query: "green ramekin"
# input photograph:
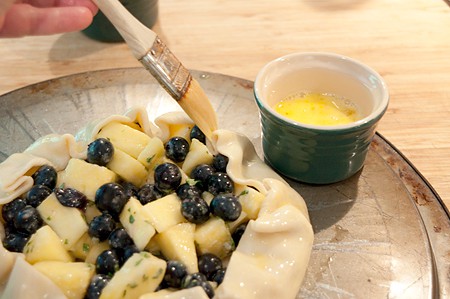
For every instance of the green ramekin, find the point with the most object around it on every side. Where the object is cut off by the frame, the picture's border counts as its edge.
(311, 153)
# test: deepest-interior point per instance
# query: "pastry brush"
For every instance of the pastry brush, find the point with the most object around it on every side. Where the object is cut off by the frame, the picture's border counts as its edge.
(156, 57)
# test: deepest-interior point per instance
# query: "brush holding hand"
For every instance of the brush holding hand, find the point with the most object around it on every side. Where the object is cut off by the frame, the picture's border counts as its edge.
(44, 17)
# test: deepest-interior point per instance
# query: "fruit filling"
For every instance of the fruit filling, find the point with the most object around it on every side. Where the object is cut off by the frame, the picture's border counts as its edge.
(106, 214)
(139, 215)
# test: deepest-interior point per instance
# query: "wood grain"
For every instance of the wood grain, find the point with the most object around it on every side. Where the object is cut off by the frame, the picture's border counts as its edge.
(407, 42)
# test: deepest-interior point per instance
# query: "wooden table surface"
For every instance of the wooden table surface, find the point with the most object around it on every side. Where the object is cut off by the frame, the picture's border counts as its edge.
(407, 42)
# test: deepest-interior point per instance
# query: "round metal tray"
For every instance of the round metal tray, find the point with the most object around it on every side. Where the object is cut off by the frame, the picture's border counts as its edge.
(383, 233)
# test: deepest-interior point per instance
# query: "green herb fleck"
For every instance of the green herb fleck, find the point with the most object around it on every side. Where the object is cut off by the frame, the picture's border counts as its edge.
(49, 218)
(245, 192)
(158, 273)
(149, 159)
(86, 247)
(144, 277)
(30, 247)
(131, 219)
(191, 182)
(66, 241)
(138, 262)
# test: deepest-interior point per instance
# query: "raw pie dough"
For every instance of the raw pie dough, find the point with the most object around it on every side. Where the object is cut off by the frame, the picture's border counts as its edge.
(270, 260)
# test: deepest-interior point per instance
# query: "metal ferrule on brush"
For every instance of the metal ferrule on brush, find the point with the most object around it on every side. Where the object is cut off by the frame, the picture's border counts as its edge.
(167, 69)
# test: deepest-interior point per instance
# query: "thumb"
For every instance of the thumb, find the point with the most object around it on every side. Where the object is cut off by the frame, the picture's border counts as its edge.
(5, 5)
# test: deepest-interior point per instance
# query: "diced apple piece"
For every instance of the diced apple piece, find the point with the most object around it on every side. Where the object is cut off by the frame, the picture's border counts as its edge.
(163, 293)
(128, 168)
(45, 245)
(134, 218)
(91, 211)
(153, 247)
(68, 223)
(82, 247)
(177, 243)
(207, 196)
(198, 154)
(152, 154)
(214, 237)
(95, 249)
(60, 177)
(190, 293)
(251, 201)
(125, 138)
(165, 212)
(72, 278)
(86, 177)
(141, 274)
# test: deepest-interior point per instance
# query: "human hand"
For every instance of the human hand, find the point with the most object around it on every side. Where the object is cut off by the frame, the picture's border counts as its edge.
(44, 17)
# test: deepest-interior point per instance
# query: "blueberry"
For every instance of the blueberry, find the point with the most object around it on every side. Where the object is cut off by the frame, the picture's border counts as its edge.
(209, 264)
(27, 220)
(198, 279)
(218, 276)
(238, 232)
(195, 209)
(130, 189)
(128, 251)
(119, 238)
(197, 134)
(226, 207)
(46, 175)
(148, 193)
(100, 151)
(167, 177)
(175, 272)
(201, 174)
(108, 262)
(111, 197)
(187, 190)
(220, 182)
(97, 284)
(220, 163)
(70, 197)
(10, 209)
(101, 226)
(177, 149)
(192, 277)
(15, 241)
(37, 194)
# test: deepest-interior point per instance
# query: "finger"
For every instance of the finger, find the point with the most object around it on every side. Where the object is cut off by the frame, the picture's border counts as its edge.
(63, 3)
(24, 19)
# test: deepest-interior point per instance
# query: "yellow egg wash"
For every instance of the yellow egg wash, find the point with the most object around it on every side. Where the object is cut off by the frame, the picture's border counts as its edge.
(317, 109)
